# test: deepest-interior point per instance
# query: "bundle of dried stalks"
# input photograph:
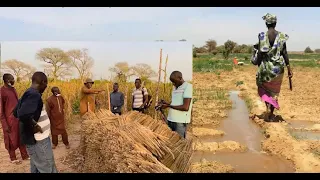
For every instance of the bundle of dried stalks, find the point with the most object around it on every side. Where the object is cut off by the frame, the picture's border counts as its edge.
(133, 142)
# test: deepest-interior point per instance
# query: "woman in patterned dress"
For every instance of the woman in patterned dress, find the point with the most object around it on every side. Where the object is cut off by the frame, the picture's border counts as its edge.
(271, 57)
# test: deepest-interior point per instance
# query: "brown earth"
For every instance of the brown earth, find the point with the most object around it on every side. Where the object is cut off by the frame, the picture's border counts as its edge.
(211, 167)
(301, 104)
(226, 146)
(60, 154)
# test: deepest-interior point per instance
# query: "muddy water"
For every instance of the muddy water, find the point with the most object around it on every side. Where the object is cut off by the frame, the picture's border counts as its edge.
(305, 135)
(300, 124)
(238, 127)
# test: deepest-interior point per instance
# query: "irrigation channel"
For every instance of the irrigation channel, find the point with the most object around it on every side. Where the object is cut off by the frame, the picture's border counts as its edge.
(238, 127)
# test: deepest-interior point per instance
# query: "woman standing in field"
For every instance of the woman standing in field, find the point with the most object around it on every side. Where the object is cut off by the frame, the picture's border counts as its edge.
(87, 99)
(270, 55)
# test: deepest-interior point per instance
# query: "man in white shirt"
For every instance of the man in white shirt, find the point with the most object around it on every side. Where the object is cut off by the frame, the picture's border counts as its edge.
(181, 104)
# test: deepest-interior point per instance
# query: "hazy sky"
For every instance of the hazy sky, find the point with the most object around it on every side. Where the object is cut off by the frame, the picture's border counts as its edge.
(106, 54)
(147, 24)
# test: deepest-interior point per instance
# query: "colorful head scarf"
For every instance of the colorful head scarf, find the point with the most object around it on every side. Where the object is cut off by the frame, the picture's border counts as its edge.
(269, 18)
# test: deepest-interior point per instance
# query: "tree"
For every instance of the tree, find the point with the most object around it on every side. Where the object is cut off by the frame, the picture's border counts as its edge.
(144, 71)
(317, 50)
(123, 70)
(220, 49)
(211, 45)
(241, 49)
(200, 49)
(81, 61)
(214, 52)
(228, 48)
(58, 62)
(249, 48)
(308, 50)
(194, 53)
(237, 49)
(18, 68)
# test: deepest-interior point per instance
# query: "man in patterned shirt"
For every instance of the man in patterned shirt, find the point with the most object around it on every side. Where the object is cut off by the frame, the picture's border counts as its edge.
(139, 97)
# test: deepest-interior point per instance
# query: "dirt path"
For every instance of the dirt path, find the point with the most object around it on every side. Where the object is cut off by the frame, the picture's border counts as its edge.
(59, 154)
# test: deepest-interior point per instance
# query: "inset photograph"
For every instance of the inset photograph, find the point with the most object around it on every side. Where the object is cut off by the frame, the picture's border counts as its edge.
(93, 103)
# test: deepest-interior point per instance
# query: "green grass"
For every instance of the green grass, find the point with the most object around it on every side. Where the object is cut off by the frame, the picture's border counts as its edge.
(214, 66)
(305, 56)
(307, 63)
(244, 56)
(213, 94)
(217, 64)
(249, 102)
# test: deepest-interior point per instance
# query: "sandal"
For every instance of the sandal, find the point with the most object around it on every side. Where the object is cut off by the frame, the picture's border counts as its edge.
(16, 162)
(54, 146)
(67, 147)
(28, 158)
(272, 118)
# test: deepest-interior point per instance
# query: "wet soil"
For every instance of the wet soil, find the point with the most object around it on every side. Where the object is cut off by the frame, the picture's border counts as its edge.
(238, 127)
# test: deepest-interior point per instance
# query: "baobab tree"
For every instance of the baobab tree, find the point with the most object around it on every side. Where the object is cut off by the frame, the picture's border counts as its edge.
(81, 61)
(123, 70)
(58, 62)
(144, 71)
(18, 68)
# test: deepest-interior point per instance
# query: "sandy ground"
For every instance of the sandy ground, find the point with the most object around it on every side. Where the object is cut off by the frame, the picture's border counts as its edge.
(301, 104)
(60, 154)
(211, 167)
(226, 146)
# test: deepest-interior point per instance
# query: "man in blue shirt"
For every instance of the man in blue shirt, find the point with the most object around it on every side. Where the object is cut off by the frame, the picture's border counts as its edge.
(181, 104)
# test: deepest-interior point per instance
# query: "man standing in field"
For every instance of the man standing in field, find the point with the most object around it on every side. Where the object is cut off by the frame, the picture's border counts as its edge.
(55, 110)
(181, 104)
(35, 126)
(10, 124)
(116, 100)
(87, 99)
(139, 97)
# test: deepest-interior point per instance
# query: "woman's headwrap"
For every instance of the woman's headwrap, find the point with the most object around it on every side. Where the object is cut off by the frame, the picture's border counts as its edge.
(269, 18)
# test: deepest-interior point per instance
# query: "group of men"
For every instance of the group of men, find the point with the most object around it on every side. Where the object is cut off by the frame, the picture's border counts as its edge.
(140, 98)
(27, 122)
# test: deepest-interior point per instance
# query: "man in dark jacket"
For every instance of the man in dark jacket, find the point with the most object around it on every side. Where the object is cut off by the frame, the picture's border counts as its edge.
(35, 126)
(116, 100)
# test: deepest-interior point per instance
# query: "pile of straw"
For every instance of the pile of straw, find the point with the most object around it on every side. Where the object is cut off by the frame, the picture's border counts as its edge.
(133, 142)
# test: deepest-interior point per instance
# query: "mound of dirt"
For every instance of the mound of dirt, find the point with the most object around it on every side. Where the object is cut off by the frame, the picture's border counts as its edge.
(199, 131)
(314, 128)
(130, 143)
(281, 143)
(226, 146)
(211, 167)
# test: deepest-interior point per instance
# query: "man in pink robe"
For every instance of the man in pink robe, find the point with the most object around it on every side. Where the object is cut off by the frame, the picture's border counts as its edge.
(10, 124)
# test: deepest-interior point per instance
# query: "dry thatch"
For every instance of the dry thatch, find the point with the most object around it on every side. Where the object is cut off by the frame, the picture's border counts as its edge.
(133, 142)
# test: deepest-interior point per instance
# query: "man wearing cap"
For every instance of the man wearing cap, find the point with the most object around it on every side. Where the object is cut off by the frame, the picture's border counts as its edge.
(87, 97)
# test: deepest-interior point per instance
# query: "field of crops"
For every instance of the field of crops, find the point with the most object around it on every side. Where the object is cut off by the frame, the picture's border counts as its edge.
(71, 93)
(216, 63)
